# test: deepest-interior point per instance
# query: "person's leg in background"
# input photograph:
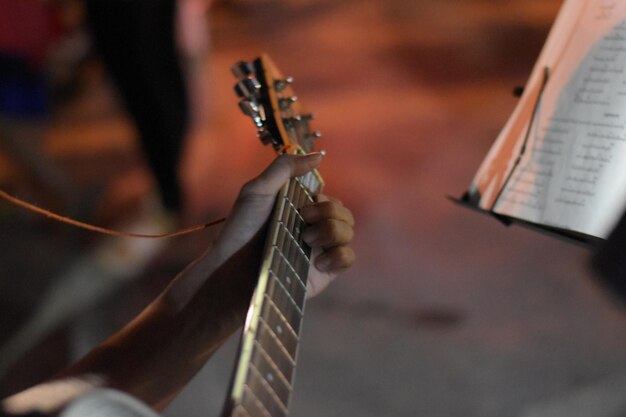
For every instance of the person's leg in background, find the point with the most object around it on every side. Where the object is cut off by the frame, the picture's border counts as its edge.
(137, 41)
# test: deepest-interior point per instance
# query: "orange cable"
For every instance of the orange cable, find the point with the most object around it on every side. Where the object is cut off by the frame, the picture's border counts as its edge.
(67, 220)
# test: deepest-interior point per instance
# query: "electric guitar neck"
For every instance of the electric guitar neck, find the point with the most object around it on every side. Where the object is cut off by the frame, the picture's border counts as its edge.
(264, 374)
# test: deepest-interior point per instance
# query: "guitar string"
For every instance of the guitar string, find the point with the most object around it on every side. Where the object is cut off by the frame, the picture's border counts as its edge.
(286, 291)
(260, 406)
(280, 373)
(282, 248)
(86, 226)
(294, 194)
(269, 331)
(289, 203)
(280, 402)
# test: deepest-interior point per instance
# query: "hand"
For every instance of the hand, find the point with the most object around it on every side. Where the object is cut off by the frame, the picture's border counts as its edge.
(330, 224)
(157, 353)
(329, 232)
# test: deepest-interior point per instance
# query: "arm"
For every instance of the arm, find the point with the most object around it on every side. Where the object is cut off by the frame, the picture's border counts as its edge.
(155, 355)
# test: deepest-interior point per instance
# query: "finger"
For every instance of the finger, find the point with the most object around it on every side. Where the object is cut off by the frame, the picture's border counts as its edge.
(329, 209)
(328, 233)
(283, 168)
(256, 199)
(324, 197)
(335, 259)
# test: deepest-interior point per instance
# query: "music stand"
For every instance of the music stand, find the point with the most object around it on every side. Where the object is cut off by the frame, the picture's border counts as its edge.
(609, 260)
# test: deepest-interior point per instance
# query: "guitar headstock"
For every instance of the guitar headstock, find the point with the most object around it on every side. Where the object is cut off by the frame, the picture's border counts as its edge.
(267, 97)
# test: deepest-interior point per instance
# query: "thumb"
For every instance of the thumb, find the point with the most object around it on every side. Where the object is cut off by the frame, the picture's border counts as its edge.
(256, 200)
(279, 171)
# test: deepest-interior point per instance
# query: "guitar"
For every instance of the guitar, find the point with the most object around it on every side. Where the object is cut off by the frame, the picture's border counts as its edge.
(264, 371)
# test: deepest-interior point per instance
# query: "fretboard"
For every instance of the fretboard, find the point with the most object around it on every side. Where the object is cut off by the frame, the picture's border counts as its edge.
(265, 371)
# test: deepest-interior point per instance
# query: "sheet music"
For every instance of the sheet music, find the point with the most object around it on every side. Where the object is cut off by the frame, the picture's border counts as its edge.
(572, 174)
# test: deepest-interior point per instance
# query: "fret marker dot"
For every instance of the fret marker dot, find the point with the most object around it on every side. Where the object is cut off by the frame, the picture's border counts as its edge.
(270, 377)
(279, 329)
(288, 280)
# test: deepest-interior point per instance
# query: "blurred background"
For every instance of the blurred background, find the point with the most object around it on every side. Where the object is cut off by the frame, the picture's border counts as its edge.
(446, 312)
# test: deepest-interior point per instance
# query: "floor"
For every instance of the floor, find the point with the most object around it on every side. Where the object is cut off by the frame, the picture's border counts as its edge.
(446, 312)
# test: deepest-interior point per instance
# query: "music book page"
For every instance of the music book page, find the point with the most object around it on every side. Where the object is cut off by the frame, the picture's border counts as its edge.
(560, 160)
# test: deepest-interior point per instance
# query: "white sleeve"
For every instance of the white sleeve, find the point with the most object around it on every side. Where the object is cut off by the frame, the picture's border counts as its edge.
(107, 403)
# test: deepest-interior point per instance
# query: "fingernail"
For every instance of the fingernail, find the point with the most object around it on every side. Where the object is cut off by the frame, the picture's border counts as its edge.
(323, 263)
(317, 154)
(309, 237)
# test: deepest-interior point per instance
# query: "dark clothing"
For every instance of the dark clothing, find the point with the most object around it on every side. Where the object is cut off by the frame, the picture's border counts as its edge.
(136, 39)
(23, 89)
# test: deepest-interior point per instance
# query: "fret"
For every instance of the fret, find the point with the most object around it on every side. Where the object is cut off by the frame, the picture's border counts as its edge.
(279, 380)
(309, 181)
(286, 207)
(292, 252)
(306, 185)
(267, 338)
(288, 278)
(289, 215)
(267, 390)
(293, 189)
(298, 195)
(291, 218)
(294, 213)
(281, 207)
(296, 246)
(300, 265)
(281, 240)
(285, 305)
(297, 229)
(264, 394)
(240, 411)
(288, 264)
(277, 287)
(253, 405)
(281, 328)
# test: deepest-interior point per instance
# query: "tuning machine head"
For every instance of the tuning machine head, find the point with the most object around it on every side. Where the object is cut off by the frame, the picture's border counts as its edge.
(313, 135)
(280, 85)
(286, 102)
(265, 136)
(305, 117)
(248, 88)
(243, 69)
(251, 108)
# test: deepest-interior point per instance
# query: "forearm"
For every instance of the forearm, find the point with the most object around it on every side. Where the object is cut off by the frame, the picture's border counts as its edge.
(161, 350)
(155, 355)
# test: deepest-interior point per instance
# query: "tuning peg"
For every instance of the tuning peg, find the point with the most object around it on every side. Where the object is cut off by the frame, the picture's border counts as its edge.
(249, 108)
(285, 103)
(248, 87)
(305, 117)
(252, 109)
(265, 136)
(313, 135)
(289, 122)
(280, 85)
(240, 91)
(242, 69)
